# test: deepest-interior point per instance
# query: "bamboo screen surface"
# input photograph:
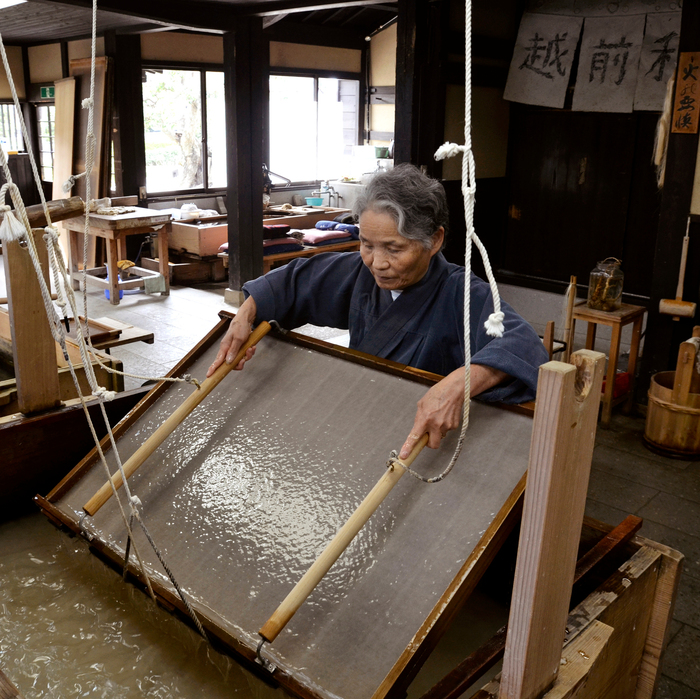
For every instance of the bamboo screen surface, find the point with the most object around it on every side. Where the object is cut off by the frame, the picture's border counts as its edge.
(247, 492)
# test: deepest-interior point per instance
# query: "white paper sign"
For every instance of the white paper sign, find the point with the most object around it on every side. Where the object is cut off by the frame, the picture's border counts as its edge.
(608, 64)
(658, 61)
(541, 65)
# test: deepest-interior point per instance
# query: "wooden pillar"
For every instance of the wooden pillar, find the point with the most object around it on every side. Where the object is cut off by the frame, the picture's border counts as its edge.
(246, 84)
(420, 87)
(127, 115)
(663, 335)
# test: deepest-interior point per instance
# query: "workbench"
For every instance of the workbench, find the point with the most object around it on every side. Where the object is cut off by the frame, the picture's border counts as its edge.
(115, 229)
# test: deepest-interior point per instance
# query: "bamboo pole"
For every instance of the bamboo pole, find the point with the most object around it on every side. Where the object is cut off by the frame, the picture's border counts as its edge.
(335, 548)
(167, 428)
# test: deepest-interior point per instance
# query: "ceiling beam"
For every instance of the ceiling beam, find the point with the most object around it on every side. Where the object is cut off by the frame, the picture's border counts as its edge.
(316, 35)
(210, 16)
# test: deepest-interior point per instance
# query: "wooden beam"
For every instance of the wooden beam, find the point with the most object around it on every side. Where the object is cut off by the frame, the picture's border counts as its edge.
(33, 346)
(563, 438)
(316, 35)
(246, 77)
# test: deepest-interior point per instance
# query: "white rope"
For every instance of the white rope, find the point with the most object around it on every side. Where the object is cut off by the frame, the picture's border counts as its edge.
(20, 230)
(494, 323)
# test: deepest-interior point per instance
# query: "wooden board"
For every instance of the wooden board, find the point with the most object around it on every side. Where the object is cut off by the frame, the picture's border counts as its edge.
(32, 342)
(560, 463)
(63, 150)
(257, 480)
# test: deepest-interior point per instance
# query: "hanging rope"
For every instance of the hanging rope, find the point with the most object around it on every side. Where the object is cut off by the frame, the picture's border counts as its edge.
(494, 323)
(20, 230)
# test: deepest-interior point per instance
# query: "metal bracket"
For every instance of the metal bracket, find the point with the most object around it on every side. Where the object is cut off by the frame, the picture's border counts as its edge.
(267, 664)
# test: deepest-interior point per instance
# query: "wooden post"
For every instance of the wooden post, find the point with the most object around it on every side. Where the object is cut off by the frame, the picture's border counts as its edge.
(246, 77)
(33, 346)
(560, 458)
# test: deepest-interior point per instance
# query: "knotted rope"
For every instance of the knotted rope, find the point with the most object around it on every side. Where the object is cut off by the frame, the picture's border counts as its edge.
(494, 323)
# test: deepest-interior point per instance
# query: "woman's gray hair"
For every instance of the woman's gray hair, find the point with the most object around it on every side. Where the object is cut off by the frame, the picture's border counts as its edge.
(416, 202)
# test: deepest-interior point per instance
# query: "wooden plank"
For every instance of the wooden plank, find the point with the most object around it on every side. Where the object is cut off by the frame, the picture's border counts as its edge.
(660, 622)
(63, 139)
(32, 342)
(560, 458)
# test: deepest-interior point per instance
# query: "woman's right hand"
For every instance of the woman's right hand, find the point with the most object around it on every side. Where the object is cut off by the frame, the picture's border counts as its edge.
(238, 332)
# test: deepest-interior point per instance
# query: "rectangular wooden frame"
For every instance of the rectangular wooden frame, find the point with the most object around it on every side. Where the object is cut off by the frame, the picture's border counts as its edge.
(444, 609)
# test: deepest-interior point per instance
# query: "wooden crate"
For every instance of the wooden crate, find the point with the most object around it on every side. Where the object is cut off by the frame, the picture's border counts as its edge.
(198, 239)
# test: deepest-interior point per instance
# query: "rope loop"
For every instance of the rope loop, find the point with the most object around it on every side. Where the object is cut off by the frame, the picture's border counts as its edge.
(87, 103)
(188, 378)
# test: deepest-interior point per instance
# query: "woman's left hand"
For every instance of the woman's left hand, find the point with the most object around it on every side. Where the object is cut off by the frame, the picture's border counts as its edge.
(440, 409)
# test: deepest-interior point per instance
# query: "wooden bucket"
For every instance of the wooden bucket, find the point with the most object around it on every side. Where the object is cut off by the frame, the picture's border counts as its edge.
(671, 429)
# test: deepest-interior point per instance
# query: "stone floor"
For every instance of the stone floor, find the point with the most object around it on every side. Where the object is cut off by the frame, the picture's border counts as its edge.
(626, 478)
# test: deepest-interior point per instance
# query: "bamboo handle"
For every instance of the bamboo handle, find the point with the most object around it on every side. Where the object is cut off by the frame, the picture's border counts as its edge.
(681, 273)
(335, 548)
(164, 431)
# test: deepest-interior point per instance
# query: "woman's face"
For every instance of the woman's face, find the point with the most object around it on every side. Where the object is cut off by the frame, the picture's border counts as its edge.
(394, 261)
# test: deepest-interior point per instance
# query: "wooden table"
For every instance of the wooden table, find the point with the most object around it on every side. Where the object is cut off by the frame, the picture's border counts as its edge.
(616, 320)
(115, 229)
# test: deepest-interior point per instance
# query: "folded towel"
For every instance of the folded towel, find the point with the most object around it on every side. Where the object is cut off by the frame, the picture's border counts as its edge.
(326, 225)
(345, 218)
(313, 237)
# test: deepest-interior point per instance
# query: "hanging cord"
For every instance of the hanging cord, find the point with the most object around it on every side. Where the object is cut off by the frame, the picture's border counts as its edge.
(12, 229)
(494, 324)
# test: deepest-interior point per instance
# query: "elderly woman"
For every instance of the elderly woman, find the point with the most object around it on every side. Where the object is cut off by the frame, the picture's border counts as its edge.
(401, 300)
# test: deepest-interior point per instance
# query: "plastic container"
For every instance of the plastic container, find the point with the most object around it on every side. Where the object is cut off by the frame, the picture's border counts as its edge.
(314, 201)
(605, 285)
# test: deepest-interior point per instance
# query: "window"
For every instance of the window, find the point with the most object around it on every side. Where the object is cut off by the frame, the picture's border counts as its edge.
(184, 129)
(10, 129)
(313, 126)
(46, 119)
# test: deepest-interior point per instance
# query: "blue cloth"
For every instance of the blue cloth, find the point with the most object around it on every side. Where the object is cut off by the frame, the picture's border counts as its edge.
(422, 328)
(326, 225)
(349, 228)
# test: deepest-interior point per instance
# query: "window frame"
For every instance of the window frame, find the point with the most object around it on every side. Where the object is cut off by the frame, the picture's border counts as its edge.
(316, 74)
(52, 138)
(203, 69)
(9, 103)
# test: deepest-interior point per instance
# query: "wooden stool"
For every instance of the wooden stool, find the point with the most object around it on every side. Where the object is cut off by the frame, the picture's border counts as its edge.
(616, 320)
